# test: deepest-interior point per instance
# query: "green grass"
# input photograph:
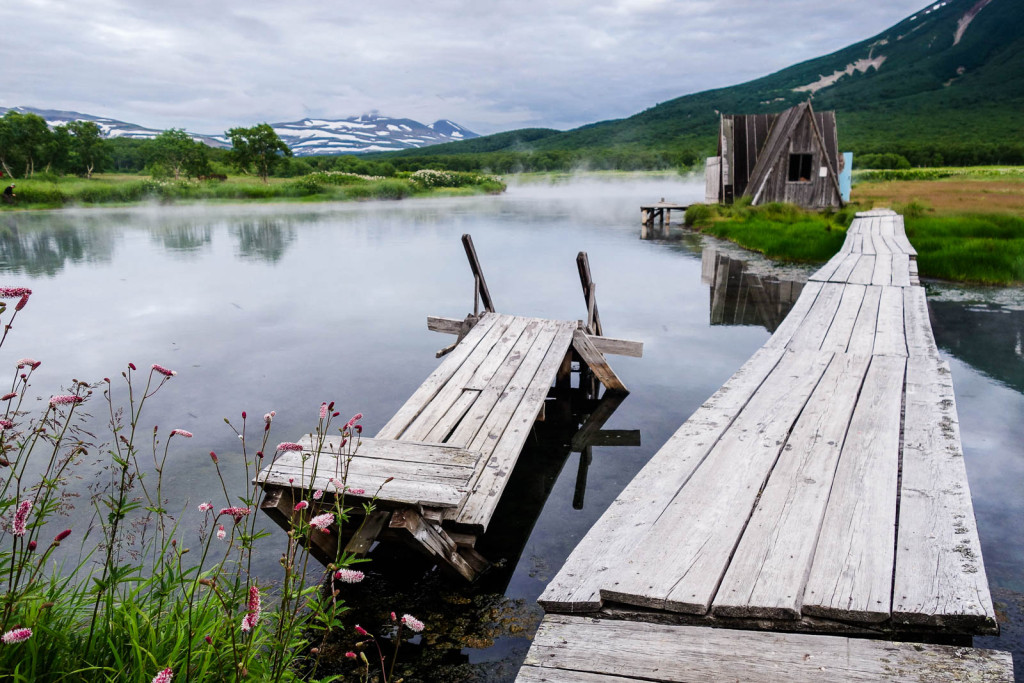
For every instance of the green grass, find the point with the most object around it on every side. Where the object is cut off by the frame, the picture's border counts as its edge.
(70, 191)
(985, 249)
(781, 232)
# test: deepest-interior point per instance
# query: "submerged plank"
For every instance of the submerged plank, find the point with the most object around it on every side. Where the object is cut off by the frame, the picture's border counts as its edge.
(679, 562)
(602, 650)
(851, 576)
(940, 578)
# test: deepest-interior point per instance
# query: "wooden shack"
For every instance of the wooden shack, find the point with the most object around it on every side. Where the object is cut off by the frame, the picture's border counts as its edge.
(792, 156)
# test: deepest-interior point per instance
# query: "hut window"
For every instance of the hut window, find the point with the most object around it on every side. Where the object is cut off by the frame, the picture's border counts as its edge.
(799, 168)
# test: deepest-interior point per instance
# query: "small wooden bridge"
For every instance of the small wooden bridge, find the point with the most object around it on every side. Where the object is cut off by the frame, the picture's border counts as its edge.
(442, 462)
(821, 491)
(660, 212)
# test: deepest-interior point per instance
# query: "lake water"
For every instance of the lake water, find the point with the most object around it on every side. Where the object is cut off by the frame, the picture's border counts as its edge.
(281, 307)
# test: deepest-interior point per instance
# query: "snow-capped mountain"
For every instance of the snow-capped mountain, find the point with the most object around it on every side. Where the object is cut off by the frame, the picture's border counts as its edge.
(367, 133)
(111, 128)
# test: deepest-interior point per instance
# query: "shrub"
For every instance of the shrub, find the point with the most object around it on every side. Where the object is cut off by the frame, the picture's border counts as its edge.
(697, 215)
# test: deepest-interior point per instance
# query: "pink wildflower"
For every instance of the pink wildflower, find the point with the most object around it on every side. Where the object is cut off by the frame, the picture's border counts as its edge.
(8, 397)
(361, 631)
(208, 639)
(289, 446)
(131, 366)
(301, 505)
(235, 512)
(18, 635)
(350, 655)
(269, 417)
(355, 418)
(61, 536)
(412, 623)
(213, 457)
(14, 292)
(221, 533)
(318, 494)
(349, 575)
(21, 517)
(252, 617)
(31, 546)
(204, 507)
(323, 521)
(393, 617)
(181, 432)
(323, 411)
(357, 492)
(65, 400)
(6, 424)
(164, 676)
(164, 371)
(21, 302)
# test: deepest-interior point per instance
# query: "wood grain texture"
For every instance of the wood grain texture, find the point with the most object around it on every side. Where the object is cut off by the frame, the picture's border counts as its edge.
(768, 572)
(588, 650)
(679, 562)
(576, 587)
(851, 576)
(839, 332)
(940, 578)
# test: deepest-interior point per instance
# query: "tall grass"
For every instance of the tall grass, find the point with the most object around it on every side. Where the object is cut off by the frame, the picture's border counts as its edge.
(782, 232)
(153, 596)
(985, 249)
(56, 192)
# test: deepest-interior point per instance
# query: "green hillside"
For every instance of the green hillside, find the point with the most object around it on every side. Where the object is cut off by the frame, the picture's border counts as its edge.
(924, 90)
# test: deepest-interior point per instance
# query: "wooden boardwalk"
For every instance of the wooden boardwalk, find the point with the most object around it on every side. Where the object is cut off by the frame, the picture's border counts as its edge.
(821, 490)
(441, 463)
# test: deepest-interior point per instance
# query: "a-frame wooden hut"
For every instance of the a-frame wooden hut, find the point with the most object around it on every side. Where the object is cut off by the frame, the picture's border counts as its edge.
(790, 157)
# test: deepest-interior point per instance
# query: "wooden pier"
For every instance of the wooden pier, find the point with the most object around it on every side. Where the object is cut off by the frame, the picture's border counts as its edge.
(661, 213)
(441, 463)
(819, 494)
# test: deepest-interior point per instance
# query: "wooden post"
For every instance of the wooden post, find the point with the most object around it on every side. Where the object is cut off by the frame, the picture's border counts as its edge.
(593, 317)
(586, 457)
(478, 273)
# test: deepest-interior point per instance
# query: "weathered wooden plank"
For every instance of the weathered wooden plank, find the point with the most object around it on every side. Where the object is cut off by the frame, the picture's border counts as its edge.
(386, 449)
(842, 273)
(891, 331)
(900, 235)
(866, 245)
(497, 400)
(882, 274)
(589, 293)
(506, 352)
(331, 466)
(824, 274)
(862, 339)
(445, 325)
(618, 347)
(863, 271)
(887, 230)
(679, 562)
(447, 423)
(506, 439)
(451, 364)
(595, 360)
(496, 345)
(920, 339)
(851, 576)
(569, 648)
(431, 539)
(615, 535)
(901, 270)
(784, 332)
(769, 568)
(940, 578)
(815, 325)
(366, 535)
(478, 273)
(413, 492)
(841, 329)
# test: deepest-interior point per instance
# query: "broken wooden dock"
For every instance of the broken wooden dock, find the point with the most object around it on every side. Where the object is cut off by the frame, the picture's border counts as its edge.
(821, 490)
(660, 212)
(442, 461)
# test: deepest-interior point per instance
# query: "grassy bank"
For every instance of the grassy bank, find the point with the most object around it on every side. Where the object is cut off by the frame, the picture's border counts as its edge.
(983, 248)
(57, 192)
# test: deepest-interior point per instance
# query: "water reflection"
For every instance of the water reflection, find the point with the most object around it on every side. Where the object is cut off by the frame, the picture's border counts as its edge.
(987, 336)
(30, 249)
(265, 239)
(183, 237)
(740, 297)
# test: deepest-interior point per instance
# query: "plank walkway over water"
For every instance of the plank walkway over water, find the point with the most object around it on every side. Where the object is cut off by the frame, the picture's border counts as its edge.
(822, 489)
(441, 463)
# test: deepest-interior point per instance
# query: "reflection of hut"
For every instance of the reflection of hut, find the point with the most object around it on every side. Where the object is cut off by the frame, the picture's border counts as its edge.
(790, 157)
(739, 297)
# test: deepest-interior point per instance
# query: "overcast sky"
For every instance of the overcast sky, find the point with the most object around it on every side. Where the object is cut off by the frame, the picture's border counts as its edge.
(491, 65)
